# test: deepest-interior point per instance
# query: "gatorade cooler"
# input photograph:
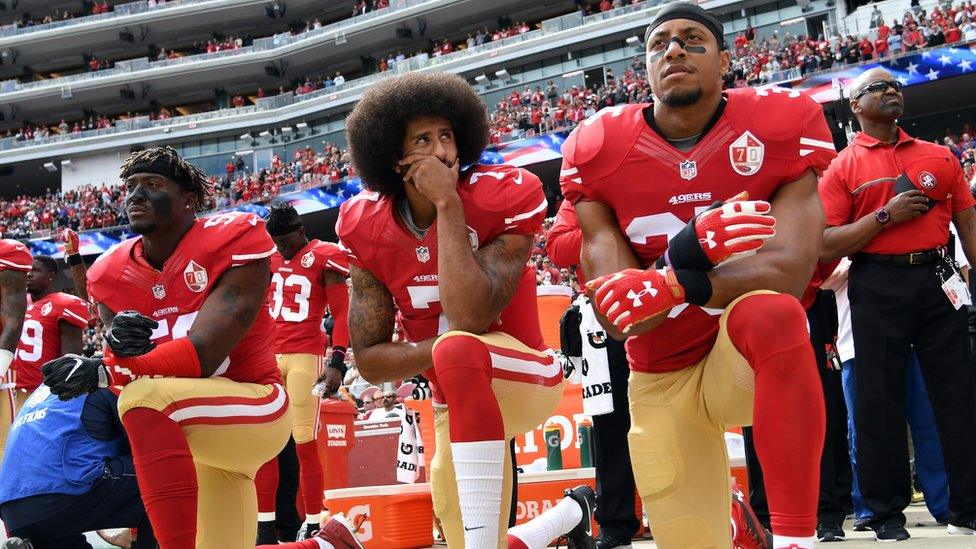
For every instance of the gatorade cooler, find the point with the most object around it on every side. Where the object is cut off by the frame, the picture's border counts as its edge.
(335, 439)
(552, 302)
(388, 517)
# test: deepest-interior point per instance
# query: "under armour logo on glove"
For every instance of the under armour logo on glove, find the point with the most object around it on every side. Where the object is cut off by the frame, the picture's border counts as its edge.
(737, 228)
(632, 295)
(728, 230)
(636, 296)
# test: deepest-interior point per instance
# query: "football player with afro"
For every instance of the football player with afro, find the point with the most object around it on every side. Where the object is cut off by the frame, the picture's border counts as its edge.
(443, 241)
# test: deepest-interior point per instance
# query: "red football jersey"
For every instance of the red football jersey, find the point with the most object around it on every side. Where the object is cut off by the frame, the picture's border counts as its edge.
(122, 280)
(497, 200)
(764, 138)
(13, 255)
(297, 299)
(40, 340)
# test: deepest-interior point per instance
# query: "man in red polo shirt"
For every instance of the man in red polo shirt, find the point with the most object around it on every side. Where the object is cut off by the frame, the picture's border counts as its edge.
(889, 199)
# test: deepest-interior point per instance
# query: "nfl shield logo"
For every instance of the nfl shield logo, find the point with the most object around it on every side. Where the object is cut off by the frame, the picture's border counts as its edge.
(195, 277)
(423, 254)
(308, 259)
(159, 291)
(746, 154)
(688, 169)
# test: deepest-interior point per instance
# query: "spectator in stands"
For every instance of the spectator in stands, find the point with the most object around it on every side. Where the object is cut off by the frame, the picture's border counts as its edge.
(389, 410)
(876, 18)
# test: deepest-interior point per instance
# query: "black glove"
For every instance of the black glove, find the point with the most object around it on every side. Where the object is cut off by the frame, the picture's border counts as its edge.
(72, 376)
(129, 334)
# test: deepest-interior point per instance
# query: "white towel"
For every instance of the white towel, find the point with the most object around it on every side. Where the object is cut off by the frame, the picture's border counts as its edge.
(595, 364)
(410, 448)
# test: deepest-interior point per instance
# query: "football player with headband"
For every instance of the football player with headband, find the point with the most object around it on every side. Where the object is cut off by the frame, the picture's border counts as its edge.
(188, 334)
(712, 343)
(306, 278)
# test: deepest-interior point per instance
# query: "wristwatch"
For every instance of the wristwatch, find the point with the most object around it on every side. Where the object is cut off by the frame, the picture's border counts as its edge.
(883, 217)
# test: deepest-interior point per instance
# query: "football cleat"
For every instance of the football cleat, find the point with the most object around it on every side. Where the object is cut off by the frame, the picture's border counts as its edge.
(266, 533)
(340, 532)
(581, 537)
(747, 531)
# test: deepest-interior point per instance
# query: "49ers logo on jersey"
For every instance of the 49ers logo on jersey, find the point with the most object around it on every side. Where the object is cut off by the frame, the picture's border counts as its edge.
(308, 259)
(195, 277)
(46, 309)
(746, 154)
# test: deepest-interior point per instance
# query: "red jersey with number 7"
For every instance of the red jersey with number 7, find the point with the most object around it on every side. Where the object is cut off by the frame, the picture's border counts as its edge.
(297, 298)
(40, 340)
(121, 279)
(497, 200)
(764, 138)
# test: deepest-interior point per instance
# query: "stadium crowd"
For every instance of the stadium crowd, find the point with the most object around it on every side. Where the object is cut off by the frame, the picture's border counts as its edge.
(755, 61)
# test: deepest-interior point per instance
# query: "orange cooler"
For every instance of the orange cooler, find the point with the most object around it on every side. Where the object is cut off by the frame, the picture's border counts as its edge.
(389, 517)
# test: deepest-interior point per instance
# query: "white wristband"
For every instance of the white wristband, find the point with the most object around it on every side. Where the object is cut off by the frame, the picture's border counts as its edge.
(6, 357)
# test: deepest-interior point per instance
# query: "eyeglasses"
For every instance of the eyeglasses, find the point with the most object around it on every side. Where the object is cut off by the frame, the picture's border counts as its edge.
(880, 86)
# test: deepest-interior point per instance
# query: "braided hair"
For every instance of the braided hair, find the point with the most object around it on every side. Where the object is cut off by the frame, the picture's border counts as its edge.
(282, 216)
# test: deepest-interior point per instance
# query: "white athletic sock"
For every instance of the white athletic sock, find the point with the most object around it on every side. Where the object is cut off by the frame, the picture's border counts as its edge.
(789, 542)
(266, 517)
(313, 519)
(554, 522)
(479, 467)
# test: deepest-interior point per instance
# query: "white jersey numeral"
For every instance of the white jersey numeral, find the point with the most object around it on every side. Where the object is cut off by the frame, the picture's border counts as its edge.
(278, 307)
(422, 297)
(31, 341)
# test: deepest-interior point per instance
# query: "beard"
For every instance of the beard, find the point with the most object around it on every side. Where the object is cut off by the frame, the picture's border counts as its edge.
(142, 227)
(682, 98)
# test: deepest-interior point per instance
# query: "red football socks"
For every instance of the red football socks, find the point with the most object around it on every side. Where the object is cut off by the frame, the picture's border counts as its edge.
(166, 476)
(788, 418)
(266, 483)
(463, 368)
(310, 468)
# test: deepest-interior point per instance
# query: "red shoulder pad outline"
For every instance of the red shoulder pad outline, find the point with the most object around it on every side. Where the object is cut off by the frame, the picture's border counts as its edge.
(349, 226)
(333, 257)
(103, 274)
(15, 256)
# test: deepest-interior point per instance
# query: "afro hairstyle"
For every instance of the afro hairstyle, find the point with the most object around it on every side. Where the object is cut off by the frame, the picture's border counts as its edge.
(377, 125)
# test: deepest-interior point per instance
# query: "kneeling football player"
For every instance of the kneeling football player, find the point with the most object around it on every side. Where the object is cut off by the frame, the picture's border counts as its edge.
(188, 341)
(443, 241)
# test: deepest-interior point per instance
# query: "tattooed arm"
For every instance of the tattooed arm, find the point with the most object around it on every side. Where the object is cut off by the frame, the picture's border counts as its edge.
(475, 287)
(228, 313)
(13, 306)
(371, 319)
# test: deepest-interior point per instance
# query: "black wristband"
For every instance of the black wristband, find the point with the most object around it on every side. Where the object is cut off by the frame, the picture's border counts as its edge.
(338, 360)
(697, 285)
(75, 259)
(685, 252)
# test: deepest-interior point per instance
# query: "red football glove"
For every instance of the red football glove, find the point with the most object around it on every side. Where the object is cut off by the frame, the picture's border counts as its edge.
(738, 227)
(632, 295)
(727, 230)
(70, 239)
